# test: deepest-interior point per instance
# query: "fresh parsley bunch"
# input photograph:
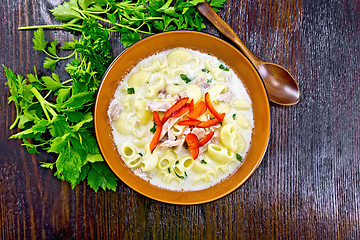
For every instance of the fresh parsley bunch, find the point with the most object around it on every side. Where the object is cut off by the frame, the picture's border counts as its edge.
(54, 114)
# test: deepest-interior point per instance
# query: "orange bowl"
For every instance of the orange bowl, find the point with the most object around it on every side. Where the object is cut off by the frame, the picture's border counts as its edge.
(204, 43)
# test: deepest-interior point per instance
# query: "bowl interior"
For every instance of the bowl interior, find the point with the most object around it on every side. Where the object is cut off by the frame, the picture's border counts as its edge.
(203, 43)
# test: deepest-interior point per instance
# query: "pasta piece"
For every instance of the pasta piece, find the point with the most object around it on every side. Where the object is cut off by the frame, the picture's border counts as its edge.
(154, 65)
(231, 138)
(194, 63)
(138, 132)
(241, 104)
(186, 162)
(223, 168)
(177, 130)
(149, 160)
(138, 79)
(201, 178)
(174, 89)
(242, 121)
(131, 157)
(194, 92)
(179, 56)
(154, 87)
(127, 103)
(222, 107)
(198, 167)
(140, 143)
(168, 178)
(219, 153)
(216, 90)
(143, 115)
(167, 160)
(122, 124)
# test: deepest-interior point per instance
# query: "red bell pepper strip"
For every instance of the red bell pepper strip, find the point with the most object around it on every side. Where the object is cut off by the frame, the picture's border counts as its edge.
(156, 138)
(199, 109)
(176, 107)
(211, 107)
(192, 105)
(156, 118)
(192, 122)
(211, 122)
(206, 138)
(193, 144)
(182, 111)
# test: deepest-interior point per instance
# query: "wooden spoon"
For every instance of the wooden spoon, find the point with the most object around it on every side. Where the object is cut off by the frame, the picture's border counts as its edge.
(280, 85)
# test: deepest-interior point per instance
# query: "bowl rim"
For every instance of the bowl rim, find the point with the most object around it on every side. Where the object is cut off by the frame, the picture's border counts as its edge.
(205, 200)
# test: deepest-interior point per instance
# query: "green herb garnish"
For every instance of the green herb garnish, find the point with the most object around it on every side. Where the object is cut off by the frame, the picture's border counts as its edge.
(239, 157)
(203, 161)
(223, 67)
(185, 78)
(153, 129)
(221, 123)
(185, 174)
(131, 91)
(54, 112)
(209, 80)
(205, 70)
(177, 162)
(141, 154)
(182, 177)
(234, 116)
(169, 170)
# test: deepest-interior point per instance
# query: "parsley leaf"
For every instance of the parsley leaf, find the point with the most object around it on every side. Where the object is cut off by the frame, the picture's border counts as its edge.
(185, 78)
(223, 67)
(239, 157)
(130, 91)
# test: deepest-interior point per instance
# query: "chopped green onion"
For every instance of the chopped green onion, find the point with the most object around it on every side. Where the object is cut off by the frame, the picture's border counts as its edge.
(209, 80)
(185, 174)
(141, 154)
(153, 129)
(177, 162)
(169, 170)
(239, 157)
(131, 91)
(185, 78)
(223, 67)
(234, 116)
(203, 161)
(178, 174)
(205, 70)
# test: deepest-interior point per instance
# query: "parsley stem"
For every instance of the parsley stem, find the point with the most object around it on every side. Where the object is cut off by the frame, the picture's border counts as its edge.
(44, 104)
(69, 26)
(117, 24)
(17, 117)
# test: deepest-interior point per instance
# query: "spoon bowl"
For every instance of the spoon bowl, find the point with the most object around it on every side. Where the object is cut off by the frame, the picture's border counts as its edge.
(280, 85)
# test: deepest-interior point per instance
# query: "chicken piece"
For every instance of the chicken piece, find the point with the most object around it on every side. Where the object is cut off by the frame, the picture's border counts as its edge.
(199, 132)
(225, 97)
(158, 106)
(115, 112)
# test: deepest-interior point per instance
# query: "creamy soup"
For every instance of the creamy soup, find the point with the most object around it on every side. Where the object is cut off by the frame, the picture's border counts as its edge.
(182, 120)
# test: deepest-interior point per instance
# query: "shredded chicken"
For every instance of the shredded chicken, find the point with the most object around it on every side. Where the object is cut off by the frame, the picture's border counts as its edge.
(170, 143)
(199, 132)
(142, 174)
(158, 106)
(115, 112)
(162, 93)
(202, 83)
(225, 97)
(167, 125)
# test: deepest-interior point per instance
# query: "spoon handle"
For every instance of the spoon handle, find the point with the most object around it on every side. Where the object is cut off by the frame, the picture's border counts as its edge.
(206, 10)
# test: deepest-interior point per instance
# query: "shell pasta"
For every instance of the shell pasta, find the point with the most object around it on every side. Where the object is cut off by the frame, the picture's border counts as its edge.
(182, 120)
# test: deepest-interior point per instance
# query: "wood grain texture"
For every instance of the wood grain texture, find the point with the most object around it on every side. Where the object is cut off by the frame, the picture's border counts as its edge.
(307, 186)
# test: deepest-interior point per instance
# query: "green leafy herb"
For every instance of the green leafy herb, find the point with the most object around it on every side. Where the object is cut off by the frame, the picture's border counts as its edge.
(203, 161)
(169, 170)
(153, 129)
(54, 113)
(234, 116)
(205, 70)
(185, 78)
(185, 174)
(223, 67)
(177, 162)
(179, 176)
(209, 80)
(239, 157)
(221, 123)
(141, 154)
(130, 91)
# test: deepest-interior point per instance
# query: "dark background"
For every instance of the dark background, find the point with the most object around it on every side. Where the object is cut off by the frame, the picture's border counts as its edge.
(306, 187)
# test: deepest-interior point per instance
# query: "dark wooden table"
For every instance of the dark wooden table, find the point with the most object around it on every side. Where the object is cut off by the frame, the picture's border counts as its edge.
(307, 186)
